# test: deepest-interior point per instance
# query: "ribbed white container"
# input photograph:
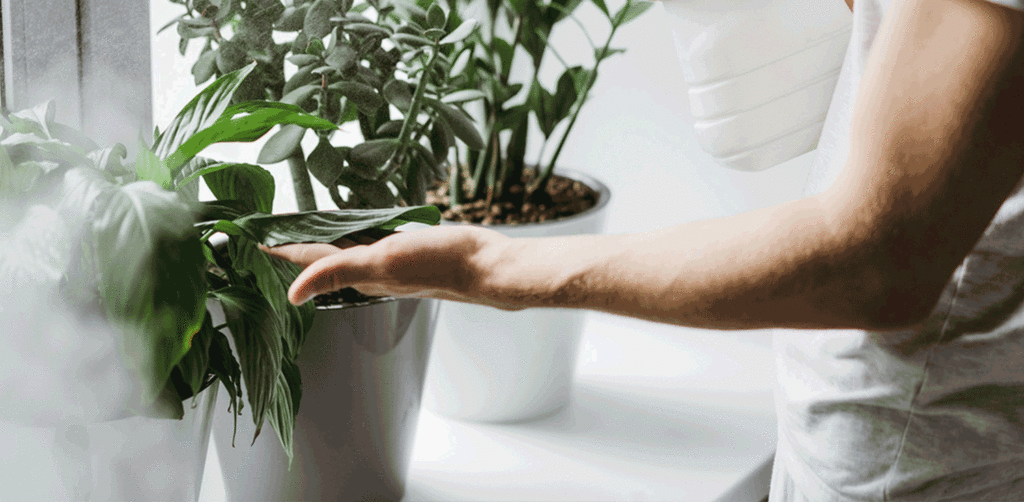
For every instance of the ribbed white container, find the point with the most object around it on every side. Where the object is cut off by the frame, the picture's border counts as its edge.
(760, 74)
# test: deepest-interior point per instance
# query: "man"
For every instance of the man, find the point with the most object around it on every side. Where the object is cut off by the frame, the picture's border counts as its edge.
(904, 271)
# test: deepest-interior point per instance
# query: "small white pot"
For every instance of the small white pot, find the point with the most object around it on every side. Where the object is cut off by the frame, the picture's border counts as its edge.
(135, 458)
(490, 365)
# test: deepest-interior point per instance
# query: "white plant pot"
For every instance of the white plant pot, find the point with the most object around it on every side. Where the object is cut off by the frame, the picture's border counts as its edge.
(490, 365)
(135, 458)
(362, 373)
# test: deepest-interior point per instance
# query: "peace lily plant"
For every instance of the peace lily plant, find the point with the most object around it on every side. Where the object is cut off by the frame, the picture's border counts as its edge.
(144, 261)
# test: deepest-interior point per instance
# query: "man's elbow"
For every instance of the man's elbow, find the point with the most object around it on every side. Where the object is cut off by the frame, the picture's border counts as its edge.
(900, 303)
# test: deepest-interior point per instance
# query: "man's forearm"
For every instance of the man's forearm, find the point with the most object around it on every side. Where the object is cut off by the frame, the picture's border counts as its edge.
(783, 266)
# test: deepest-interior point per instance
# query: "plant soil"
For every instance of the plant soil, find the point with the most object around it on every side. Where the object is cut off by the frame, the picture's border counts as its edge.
(563, 197)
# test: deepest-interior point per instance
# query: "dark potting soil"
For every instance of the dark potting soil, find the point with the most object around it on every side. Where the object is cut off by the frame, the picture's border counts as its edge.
(563, 197)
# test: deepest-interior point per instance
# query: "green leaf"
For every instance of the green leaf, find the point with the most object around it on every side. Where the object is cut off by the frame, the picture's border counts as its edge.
(463, 96)
(461, 63)
(285, 407)
(329, 226)
(186, 183)
(317, 23)
(301, 60)
(325, 163)
(600, 55)
(630, 11)
(398, 94)
(411, 40)
(205, 66)
(299, 95)
(564, 97)
(303, 76)
(201, 112)
(460, 123)
(109, 159)
(389, 129)
(459, 34)
(150, 168)
(225, 367)
(35, 120)
(505, 53)
(434, 34)
(369, 156)
(604, 8)
(195, 365)
(342, 57)
(273, 278)
(282, 144)
(292, 19)
(255, 328)
(230, 57)
(250, 184)
(246, 122)
(149, 264)
(441, 141)
(436, 17)
(368, 29)
(364, 96)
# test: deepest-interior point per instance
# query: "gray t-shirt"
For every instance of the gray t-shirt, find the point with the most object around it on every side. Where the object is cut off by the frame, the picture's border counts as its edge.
(935, 413)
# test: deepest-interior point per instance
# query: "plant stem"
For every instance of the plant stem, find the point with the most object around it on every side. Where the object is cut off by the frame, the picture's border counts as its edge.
(542, 180)
(301, 182)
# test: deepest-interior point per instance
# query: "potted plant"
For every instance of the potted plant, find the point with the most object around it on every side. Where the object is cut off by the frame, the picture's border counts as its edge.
(505, 366)
(107, 274)
(137, 277)
(376, 67)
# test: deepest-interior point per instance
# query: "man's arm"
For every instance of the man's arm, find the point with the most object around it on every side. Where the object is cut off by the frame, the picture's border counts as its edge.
(935, 148)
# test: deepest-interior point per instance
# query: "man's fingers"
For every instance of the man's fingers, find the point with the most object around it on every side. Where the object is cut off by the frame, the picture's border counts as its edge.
(302, 255)
(328, 274)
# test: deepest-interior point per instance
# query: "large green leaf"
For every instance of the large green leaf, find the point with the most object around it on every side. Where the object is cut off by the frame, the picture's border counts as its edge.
(329, 226)
(245, 122)
(250, 184)
(254, 327)
(201, 112)
(148, 264)
(273, 278)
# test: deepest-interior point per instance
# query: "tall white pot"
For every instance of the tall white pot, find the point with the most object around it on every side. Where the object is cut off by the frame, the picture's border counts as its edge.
(135, 458)
(490, 365)
(362, 369)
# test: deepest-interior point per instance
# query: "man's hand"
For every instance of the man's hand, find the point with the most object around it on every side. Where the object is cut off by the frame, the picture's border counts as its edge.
(440, 262)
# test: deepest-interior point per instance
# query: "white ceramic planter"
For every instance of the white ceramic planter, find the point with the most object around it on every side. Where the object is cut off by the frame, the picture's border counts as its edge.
(490, 365)
(136, 458)
(362, 373)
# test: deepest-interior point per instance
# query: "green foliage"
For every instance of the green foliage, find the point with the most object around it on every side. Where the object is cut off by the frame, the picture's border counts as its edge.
(355, 65)
(520, 28)
(143, 260)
